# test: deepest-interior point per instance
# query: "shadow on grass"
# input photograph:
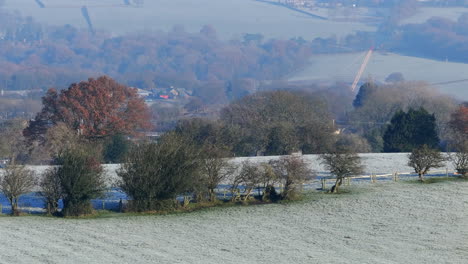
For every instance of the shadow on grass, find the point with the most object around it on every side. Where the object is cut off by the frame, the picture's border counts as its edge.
(433, 180)
(192, 207)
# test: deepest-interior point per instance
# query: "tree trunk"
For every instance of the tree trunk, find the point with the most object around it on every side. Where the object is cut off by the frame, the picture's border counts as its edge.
(212, 195)
(421, 177)
(338, 183)
(14, 206)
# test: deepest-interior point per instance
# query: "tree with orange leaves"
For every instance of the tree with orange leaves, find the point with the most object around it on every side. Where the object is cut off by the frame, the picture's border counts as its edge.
(96, 108)
(459, 120)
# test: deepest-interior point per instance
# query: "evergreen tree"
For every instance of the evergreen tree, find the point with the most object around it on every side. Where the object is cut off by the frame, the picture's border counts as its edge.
(116, 149)
(364, 92)
(410, 130)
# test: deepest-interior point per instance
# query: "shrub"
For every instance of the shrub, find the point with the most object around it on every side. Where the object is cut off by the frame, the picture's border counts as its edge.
(51, 190)
(116, 148)
(156, 172)
(81, 179)
(214, 168)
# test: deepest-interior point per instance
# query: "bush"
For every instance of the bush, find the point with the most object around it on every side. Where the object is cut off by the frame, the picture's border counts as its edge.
(158, 172)
(51, 190)
(214, 168)
(116, 149)
(81, 179)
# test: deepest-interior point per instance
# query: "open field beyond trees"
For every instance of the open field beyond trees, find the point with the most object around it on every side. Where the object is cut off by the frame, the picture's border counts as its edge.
(343, 67)
(230, 18)
(400, 222)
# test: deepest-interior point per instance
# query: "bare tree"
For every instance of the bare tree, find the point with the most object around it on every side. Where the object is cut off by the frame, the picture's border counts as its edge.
(16, 181)
(292, 172)
(460, 158)
(342, 163)
(255, 176)
(423, 158)
(249, 177)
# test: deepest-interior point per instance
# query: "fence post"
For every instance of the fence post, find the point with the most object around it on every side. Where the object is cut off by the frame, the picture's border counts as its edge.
(323, 184)
(446, 172)
(1, 209)
(103, 205)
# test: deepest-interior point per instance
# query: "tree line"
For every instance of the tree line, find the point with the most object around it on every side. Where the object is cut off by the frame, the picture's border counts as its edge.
(276, 122)
(79, 126)
(39, 56)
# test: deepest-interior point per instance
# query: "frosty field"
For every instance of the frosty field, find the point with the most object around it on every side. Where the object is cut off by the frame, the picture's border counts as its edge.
(381, 223)
(344, 67)
(230, 18)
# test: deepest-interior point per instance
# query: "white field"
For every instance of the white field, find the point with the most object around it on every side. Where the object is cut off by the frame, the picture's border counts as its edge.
(231, 18)
(425, 13)
(381, 223)
(344, 67)
(374, 163)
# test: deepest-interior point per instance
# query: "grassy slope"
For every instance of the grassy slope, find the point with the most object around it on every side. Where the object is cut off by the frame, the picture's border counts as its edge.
(383, 223)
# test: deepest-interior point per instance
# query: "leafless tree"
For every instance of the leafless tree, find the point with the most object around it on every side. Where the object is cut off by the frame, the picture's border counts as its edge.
(292, 172)
(255, 176)
(460, 158)
(423, 159)
(342, 163)
(16, 181)
(249, 177)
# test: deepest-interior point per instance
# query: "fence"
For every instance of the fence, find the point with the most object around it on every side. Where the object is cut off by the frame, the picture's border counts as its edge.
(114, 201)
(396, 176)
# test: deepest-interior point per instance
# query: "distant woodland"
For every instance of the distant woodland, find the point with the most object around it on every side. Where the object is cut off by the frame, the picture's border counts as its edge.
(36, 56)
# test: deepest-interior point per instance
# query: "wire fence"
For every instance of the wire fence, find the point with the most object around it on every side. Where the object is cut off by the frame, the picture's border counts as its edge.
(114, 199)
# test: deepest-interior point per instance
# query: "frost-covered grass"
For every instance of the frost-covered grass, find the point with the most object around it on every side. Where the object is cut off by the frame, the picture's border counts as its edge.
(380, 223)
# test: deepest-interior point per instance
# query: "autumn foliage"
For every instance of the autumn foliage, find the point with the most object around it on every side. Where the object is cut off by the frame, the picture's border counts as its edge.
(95, 108)
(459, 120)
